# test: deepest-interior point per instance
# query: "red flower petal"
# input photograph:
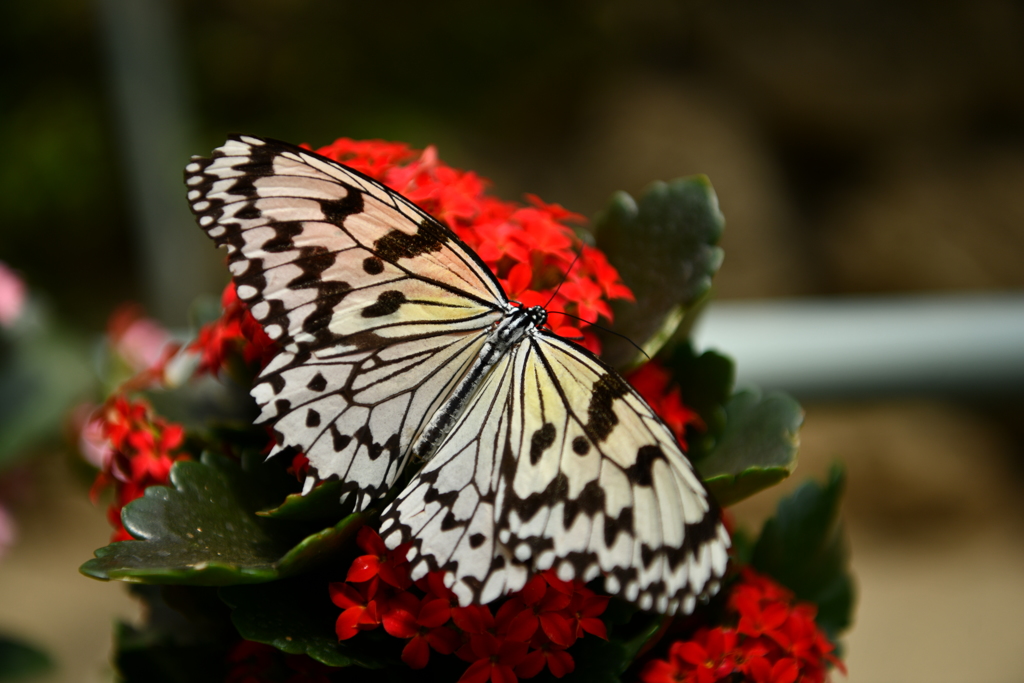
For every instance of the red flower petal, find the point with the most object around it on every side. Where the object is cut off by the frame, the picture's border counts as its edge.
(370, 541)
(473, 619)
(363, 568)
(523, 626)
(434, 613)
(532, 664)
(399, 618)
(416, 653)
(444, 640)
(594, 626)
(347, 624)
(560, 663)
(558, 628)
(503, 673)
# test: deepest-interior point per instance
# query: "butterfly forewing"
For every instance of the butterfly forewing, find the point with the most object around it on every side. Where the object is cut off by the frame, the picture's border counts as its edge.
(379, 308)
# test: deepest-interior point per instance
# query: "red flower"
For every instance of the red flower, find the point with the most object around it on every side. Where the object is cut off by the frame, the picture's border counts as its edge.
(235, 330)
(784, 670)
(372, 157)
(584, 609)
(530, 631)
(529, 248)
(556, 659)
(757, 618)
(653, 382)
(539, 604)
(710, 653)
(140, 454)
(775, 641)
(389, 565)
(423, 623)
(496, 659)
(360, 610)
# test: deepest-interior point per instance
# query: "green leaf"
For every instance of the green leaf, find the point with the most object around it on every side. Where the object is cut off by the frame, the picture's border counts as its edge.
(757, 447)
(664, 248)
(803, 547)
(205, 531)
(297, 616)
(21, 661)
(324, 501)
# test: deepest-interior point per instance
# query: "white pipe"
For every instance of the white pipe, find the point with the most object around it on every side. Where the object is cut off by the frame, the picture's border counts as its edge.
(844, 346)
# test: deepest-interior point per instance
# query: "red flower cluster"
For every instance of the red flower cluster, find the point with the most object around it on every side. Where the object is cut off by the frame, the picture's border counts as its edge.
(774, 641)
(529, 631)
(652, 380)
(529, 248)
(234, 330)
(140, 454)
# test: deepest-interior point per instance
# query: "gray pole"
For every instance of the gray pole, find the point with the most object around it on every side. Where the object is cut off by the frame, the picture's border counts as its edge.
(966, 343)
(154, 136)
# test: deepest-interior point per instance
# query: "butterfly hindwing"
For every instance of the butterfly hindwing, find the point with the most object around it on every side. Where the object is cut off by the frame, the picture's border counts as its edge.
(559, 463)
(378, 307)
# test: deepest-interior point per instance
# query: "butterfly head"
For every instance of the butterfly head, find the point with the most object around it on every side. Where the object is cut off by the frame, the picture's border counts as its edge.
(536, 315)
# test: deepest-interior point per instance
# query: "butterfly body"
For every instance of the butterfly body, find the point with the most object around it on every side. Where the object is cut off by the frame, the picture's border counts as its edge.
(399, 345)
(506, 334)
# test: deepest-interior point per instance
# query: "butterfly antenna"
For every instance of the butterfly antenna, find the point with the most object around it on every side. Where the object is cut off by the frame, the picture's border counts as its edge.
(601, 327)
(564, 278)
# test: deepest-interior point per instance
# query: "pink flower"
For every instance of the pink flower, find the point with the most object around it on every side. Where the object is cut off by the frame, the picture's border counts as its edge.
(8, 530)
(12, 296)
(141, 341)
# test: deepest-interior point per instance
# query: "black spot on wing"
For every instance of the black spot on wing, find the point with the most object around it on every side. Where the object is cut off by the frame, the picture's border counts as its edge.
(318, 322)
(276, 382)
(695, 536)
(446, 500)
(640, 471)
(580, 445)
(387, 303)
(431, 236)
(527, 507)
(601, 419)
(312, 263)
(318, 383)
(249, 212)
(372, 265)
(339, 441)
(541, 441)
(365, 438)
(613, 526)
(312, 418)
(476, 540)
(284, 237)
(336, 211)
(590, 501)
(647, 555)
(449, 522)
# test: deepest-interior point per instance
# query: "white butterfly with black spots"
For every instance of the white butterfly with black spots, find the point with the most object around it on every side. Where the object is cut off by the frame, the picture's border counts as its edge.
(399, 346)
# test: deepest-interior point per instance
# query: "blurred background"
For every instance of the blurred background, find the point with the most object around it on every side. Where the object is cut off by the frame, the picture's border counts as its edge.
(860, 151)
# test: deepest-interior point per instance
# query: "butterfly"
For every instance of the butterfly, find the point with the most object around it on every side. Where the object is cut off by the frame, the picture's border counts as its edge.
(400, 349)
